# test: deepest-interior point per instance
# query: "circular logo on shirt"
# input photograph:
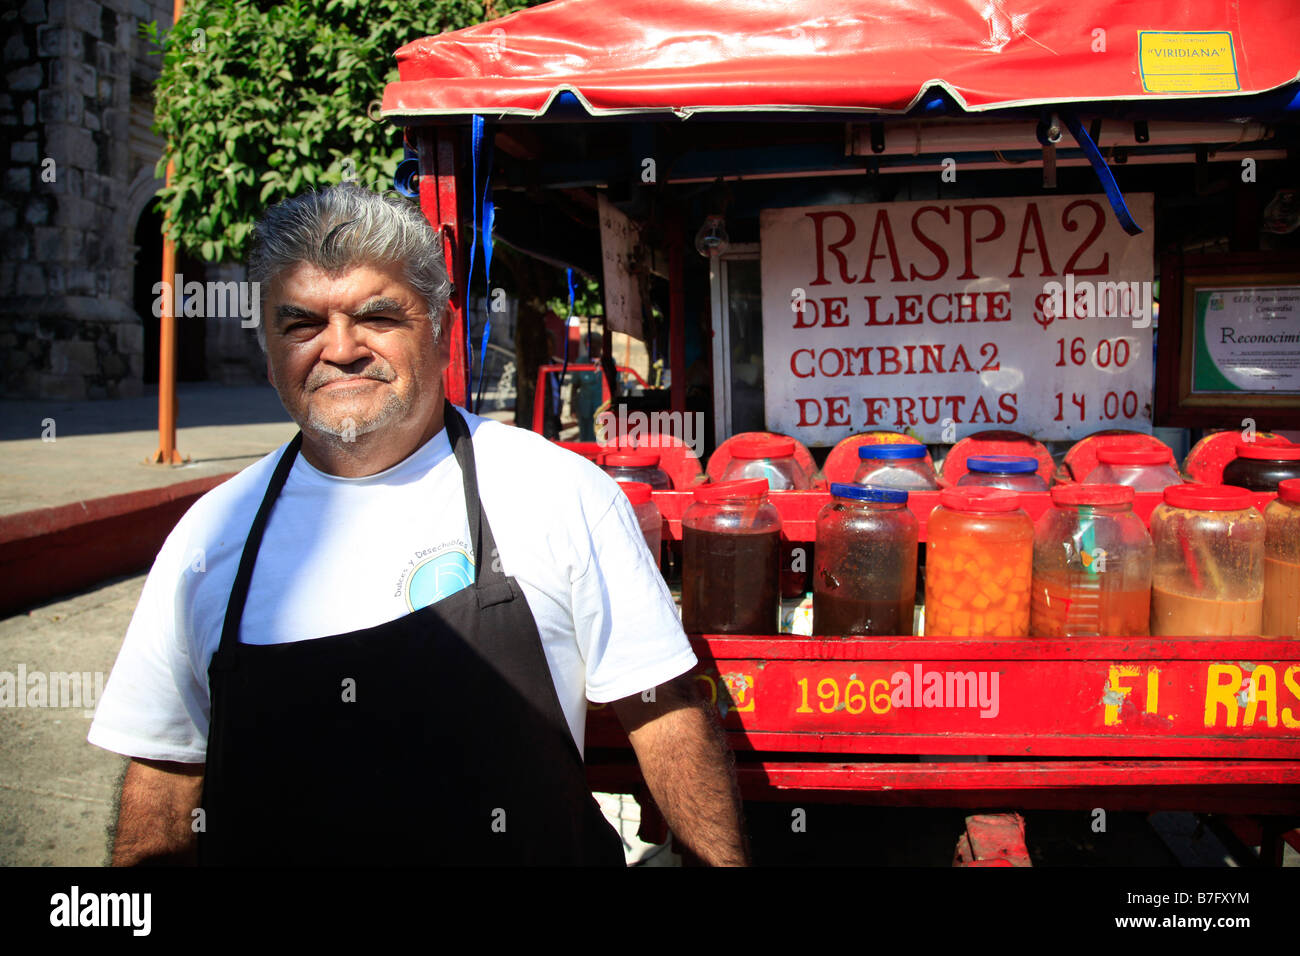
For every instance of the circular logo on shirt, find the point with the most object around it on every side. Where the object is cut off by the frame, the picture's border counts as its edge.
(437, 577)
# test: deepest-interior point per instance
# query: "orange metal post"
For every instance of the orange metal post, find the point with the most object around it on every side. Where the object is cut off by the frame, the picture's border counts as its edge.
(167, 453)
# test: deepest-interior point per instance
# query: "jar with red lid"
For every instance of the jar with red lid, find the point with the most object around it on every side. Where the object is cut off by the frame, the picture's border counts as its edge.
(1142, 469)
(1011, 472)
(1208, 577)
(642, 466)
(1261, 467)
(1092, 565)
(770, 457)
(1282, 562)
(647, 515)
(731, 553)
(864, 579)
(899, 466)
(979, 564)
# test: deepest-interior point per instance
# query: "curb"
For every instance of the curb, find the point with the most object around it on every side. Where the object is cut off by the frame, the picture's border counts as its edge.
(50, 552)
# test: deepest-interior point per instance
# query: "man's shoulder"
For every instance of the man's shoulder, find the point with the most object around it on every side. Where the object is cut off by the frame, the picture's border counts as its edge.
(537, 467)
(235, 499)
(501, 440)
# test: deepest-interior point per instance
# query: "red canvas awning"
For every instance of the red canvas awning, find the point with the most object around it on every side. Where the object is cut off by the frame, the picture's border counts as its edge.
(687, 56)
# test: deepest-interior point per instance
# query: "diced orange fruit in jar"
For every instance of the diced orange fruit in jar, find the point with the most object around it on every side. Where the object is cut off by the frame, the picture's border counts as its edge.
(978, 586)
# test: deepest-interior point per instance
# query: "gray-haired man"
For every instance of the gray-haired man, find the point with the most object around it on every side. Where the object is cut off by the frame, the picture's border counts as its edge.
(400, 617)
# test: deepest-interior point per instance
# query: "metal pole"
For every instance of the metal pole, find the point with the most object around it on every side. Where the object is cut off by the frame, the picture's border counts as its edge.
(167, 453)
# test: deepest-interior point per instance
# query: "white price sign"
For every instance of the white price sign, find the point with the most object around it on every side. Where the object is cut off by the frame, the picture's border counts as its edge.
(948, 317)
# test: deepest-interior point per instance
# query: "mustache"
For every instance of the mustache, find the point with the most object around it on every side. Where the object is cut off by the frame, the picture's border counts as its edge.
(379, 371)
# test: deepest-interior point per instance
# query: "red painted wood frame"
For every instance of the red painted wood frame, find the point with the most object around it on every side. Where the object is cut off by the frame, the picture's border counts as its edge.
(1209, 724)
(439, 192)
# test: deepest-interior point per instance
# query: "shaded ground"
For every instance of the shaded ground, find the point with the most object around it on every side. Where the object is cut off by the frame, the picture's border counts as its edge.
(100, 448)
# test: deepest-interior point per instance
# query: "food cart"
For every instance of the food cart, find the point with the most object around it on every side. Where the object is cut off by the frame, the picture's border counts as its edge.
(897, 212)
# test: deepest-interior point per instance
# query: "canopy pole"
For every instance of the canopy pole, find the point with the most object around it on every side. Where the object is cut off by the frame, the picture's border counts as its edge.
(167, 453)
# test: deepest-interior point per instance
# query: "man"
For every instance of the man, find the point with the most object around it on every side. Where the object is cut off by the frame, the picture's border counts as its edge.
(376, 645)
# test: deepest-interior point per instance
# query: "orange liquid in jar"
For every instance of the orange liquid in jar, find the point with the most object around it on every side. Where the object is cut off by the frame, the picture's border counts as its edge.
(1281, 598)
(978, 586)
(1088, 609)
(1181, 614)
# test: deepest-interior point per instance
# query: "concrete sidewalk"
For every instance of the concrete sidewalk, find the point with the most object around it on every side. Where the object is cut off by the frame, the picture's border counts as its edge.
(100, 448)
(79, 500)
(57, 791)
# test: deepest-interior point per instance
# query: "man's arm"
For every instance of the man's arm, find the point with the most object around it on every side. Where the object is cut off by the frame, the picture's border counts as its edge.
(155, 818)
(687, 765)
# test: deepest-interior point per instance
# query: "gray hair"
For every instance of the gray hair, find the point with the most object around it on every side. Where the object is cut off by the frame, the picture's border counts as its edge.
(345, 226)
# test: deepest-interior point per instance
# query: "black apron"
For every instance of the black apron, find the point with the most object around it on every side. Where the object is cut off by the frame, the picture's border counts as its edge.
(453, 749)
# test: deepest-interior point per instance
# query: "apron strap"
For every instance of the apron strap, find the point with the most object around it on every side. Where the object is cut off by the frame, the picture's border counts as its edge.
(223, 659)
(487, 560)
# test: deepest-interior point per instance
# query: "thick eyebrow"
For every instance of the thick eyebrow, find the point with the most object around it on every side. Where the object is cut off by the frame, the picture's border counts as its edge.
(283, 312)
(372, 306)
(376, 305)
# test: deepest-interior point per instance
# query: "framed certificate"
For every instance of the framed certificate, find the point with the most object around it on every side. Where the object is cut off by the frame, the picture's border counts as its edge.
(1228, 344)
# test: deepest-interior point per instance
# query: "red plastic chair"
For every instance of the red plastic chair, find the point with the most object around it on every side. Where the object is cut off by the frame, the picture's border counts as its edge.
(722, 456)
(1209, 456)
(842, 463)
(1081, 459)
(996, 443)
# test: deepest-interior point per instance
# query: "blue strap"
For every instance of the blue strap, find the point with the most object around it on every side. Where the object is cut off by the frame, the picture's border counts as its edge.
(489, 218)
(476, 141)
(559, 401)
(1103, 172)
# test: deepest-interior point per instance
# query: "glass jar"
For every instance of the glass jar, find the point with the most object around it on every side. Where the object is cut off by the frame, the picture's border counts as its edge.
(979, 563)
(1208, 577)
(895, 466)
(642, 466)
(1282, 562)
(1145, 469)
(1261, 467)
(864, 580)
(1002, 471)
(770, 457)
(731, 548)
(647, 515)
(1092, 565)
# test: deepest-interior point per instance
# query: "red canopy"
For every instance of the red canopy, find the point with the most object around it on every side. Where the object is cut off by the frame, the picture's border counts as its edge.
(631, 56)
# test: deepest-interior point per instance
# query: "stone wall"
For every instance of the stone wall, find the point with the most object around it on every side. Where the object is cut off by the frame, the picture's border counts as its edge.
(67, 326)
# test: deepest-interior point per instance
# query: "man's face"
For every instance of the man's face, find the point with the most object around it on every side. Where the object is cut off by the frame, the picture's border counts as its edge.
(352, 354)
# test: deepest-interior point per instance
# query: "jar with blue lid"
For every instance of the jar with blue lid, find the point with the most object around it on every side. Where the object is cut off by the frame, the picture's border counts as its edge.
(905, 467)
(1011, 472)
(864, 574)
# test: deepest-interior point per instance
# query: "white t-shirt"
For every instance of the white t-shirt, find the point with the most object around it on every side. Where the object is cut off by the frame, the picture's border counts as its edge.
(340, 554)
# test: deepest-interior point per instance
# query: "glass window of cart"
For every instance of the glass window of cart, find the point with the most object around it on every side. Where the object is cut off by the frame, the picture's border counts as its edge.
(738, 339)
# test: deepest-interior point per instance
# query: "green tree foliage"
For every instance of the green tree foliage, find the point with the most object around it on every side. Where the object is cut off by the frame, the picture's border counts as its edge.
(587, 300)
(262, 99)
